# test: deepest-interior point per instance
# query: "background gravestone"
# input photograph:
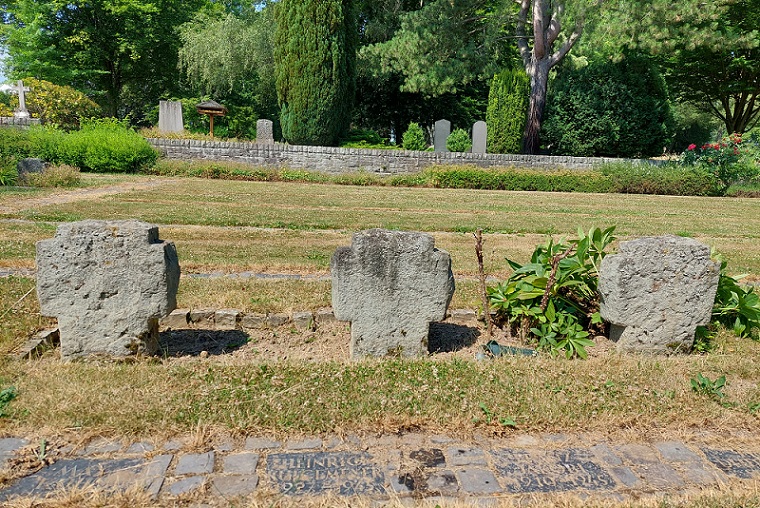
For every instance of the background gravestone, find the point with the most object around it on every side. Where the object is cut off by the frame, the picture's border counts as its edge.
(656, 291)
(265, 132)
(391, 285)
(170, 116)
(441, 133)
(479, 137)
(108, 283)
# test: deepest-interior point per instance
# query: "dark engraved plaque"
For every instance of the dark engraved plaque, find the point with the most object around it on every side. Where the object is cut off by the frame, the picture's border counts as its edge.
(342, 473)
(741, 465)
(552, 471)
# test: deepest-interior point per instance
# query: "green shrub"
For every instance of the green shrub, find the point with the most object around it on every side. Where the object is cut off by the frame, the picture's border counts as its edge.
(730, 160)
(666, 179)
(459, 141)
(606, 109)
(104, 146)
(8, 171)
(469, 177)
(507, 110)
(736, 307)
(414, 138)
(54, 176)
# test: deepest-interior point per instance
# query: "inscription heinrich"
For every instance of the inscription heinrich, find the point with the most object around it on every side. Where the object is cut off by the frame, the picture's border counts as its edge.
(554, 471)
(742, 465)
(343, 473)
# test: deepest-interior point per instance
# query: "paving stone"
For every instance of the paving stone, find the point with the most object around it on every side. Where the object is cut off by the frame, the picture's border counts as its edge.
(259, 443)
(342, 473)
(325, 315)
(460, 456)
(606, 454)
(441, 439)
(398, 482)
(443, 482)
(304, 444)
(240, 463)
(177, 319)
(185, 485)
(701, 474)
(551, 471)
(526, 441)
(254, 320)
(10, 445)
(626, 476)
(737, 464)
(275, 320)
(139, 448)
(637, 454)
(432, 457)
(195, 463)
(173, 445)
(235, 485)
(333, 442)
(660, 476)
(202, 317)
(226, 319)
(478, 481)
(150, 478)
(303, 319)
(675, 451)
(408, 441)
(102, 447)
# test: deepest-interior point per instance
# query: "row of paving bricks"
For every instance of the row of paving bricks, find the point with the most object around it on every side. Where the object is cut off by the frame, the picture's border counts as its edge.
(413, 465)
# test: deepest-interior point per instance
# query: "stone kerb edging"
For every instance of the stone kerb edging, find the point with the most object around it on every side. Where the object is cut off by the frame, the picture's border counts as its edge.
(12, 121)
(341, 160)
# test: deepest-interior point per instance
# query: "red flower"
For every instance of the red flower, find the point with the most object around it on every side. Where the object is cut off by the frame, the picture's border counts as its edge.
(692, 146)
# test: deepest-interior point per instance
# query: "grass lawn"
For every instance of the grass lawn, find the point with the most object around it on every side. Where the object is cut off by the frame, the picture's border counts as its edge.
(230, 226)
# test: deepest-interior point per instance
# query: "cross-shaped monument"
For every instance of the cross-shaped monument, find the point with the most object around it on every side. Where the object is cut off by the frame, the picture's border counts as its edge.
(21, 90)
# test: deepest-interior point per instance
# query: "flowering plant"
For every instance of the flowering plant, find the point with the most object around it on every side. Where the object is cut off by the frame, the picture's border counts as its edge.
(728, 160)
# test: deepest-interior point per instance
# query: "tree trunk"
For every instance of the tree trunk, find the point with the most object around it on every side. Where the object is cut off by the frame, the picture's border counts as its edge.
(539, 82)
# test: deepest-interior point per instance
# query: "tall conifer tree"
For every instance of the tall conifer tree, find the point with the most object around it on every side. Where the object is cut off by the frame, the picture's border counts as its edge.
(315, 66)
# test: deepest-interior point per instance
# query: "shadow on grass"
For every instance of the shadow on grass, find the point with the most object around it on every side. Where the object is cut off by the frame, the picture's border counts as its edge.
(448, 337)
(175, 343)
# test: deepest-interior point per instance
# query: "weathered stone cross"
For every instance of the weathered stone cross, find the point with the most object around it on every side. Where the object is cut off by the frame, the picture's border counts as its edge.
(20, 89)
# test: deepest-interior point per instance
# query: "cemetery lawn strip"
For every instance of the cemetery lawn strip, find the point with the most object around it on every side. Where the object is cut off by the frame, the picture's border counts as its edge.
(322, 206)
(245, 391)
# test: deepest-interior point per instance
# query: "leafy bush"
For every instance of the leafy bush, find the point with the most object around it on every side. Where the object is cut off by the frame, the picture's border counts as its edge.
(507, 110)
(106, 145)
(61, 106)
(414, 138)
(553, 299)
(606, 109)
(736, 307)
(730, 160)
(8, 171)
(54, 176)
(690, 125)
(666, 179)
(459, 141)
(469, 177)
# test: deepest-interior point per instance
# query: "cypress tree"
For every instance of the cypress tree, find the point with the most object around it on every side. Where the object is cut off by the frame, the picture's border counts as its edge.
(507, 110)
(315, 67)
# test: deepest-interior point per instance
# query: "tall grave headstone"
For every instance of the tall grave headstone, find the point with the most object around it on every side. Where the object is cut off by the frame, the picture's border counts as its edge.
(441, 134)
(21, 90)
(391, 285)
(479, 137)
(265, 132)
(170, 116)
(108, 283)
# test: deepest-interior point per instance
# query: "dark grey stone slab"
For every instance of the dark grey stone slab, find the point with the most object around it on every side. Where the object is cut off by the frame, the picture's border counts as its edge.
(9, 446)
(195, 463)
(240, 463)
(235, 485)
(429, 458)
(660, 476)
(551, 471)
(675, 451)
(185, 485)
(478, 481)
(343, 473)
(76, 473)
(740, 465)
(464, 456)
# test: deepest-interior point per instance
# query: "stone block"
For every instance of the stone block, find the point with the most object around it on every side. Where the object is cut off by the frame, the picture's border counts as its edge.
(178, 318)
(254, 320)
(203, 318)
(30, 165)
(325, 315)
(463, 316)
(303, 319)
(108, 283)
(275, 320)
(241, 463)
(37, 345)
(170, 116)
(226, 319)
(391, 285)
(656, 291)
(195, 463)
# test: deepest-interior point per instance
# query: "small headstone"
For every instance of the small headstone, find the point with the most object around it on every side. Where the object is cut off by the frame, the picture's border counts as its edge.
(391, 285)
(30, 165)
(265, 132)
(479, 137)
(108, 283)
(441, 133)
(656, 292)
(21, 90)
(170, 116)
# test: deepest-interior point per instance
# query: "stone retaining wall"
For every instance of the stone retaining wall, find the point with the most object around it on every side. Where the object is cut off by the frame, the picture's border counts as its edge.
(12, 121)
(343, 160)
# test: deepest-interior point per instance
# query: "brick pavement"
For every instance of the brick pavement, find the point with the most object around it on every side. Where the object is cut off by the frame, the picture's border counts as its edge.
(412, 465)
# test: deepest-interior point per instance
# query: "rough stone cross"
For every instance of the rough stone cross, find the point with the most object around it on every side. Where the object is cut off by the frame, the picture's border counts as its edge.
(21, 90)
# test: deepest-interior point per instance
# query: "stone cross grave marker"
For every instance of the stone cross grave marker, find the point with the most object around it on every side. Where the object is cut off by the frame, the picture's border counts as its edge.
(656, 291)
(441, 133)
(21, 90)
(391, 285)
(265, 132)
(479, 137)
(108, 283)
(170, 116)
